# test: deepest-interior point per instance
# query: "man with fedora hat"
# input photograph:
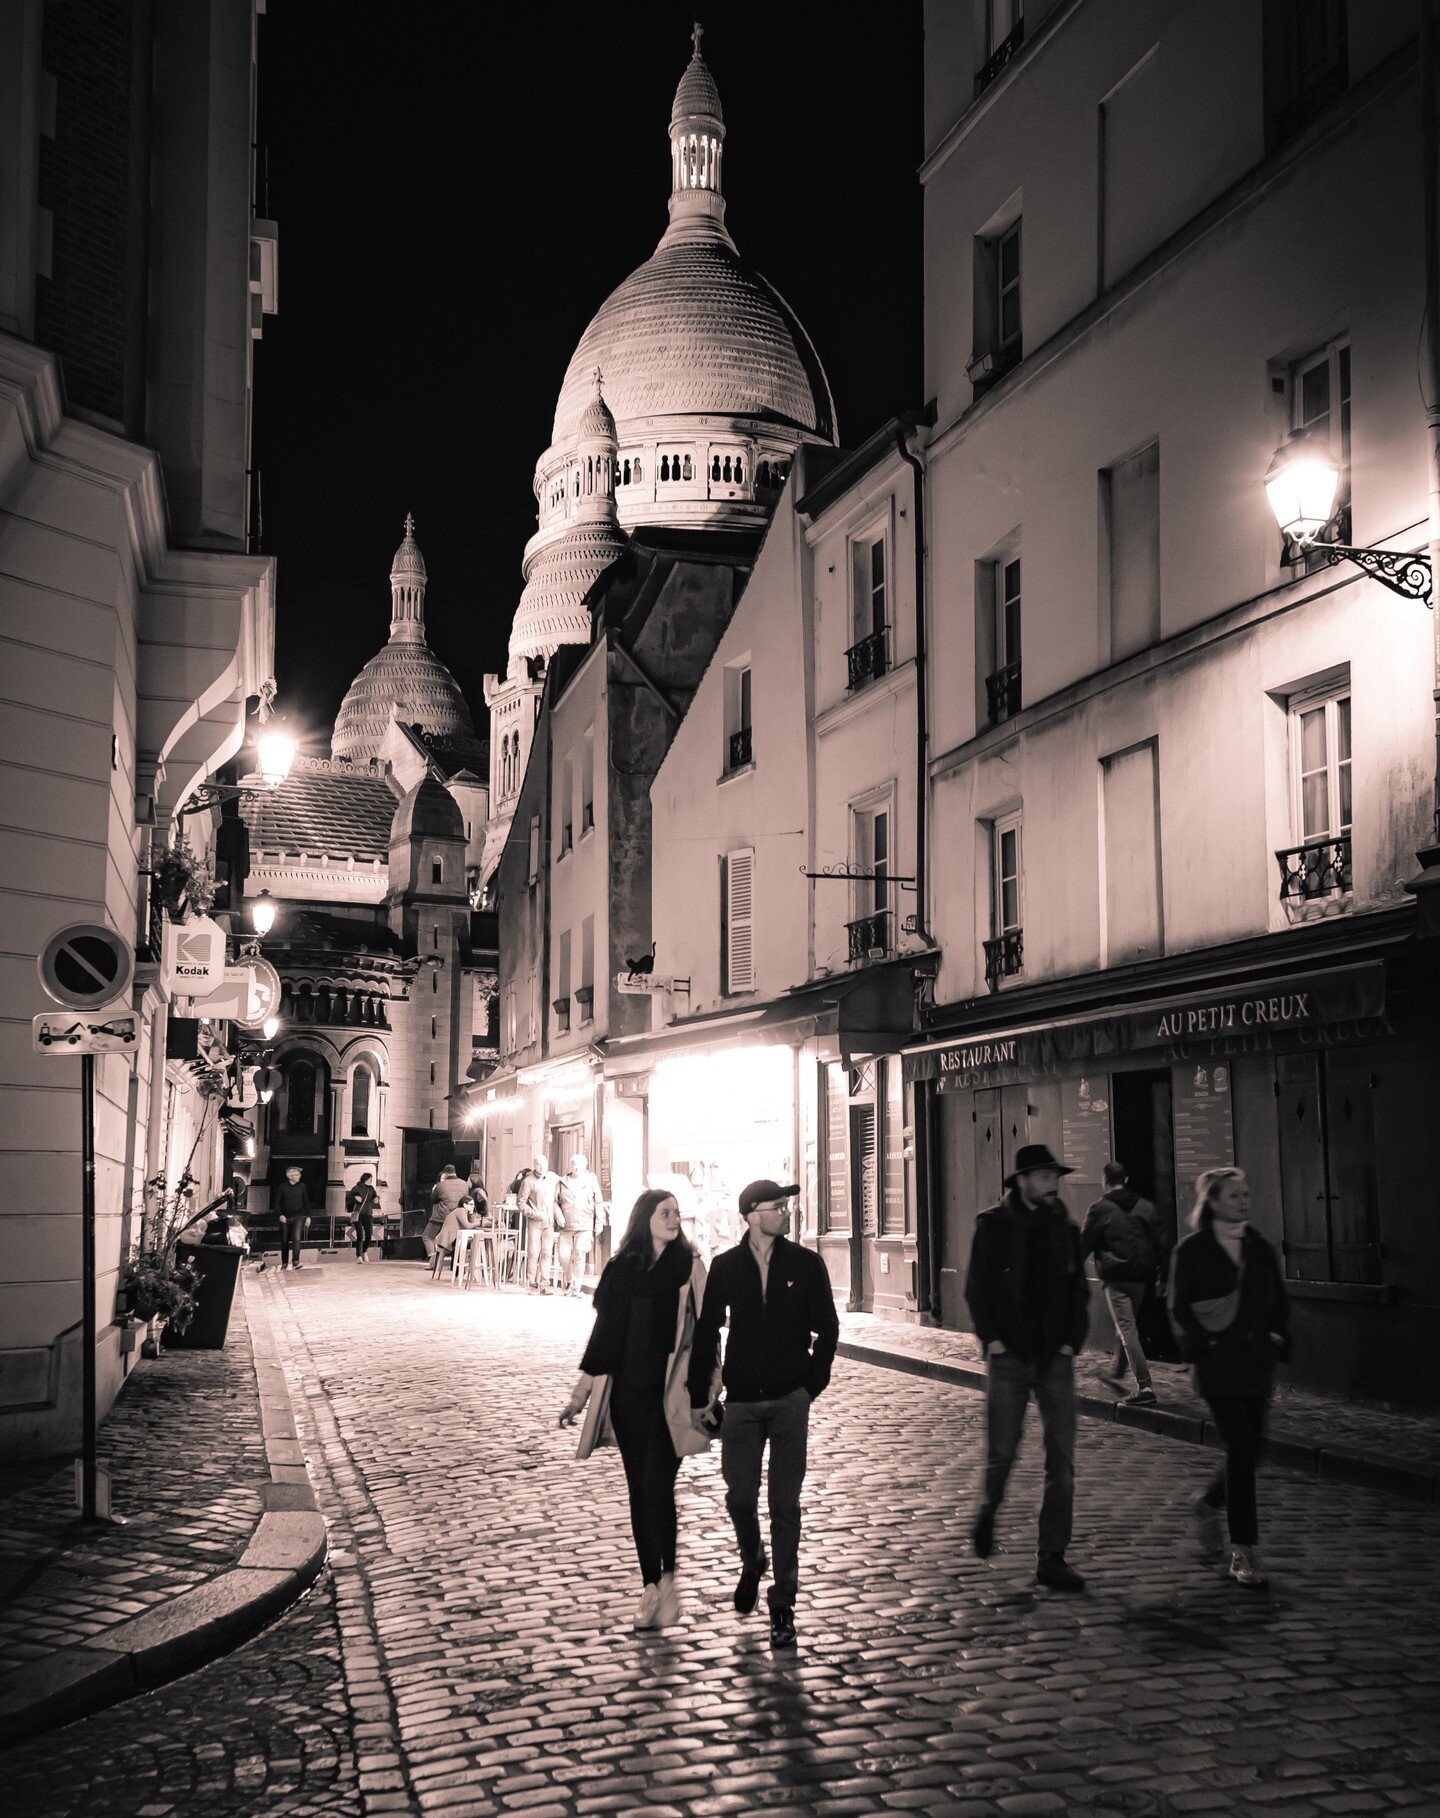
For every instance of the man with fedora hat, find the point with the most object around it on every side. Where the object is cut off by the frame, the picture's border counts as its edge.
(783, 1334)
(1029, 1301)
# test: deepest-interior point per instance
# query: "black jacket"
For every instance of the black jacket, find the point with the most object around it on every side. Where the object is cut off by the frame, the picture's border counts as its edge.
(1240, 1360)
(768, 1352)
(623, 1280)
(1122, 1233)
(995, 1282)
(292, 1201)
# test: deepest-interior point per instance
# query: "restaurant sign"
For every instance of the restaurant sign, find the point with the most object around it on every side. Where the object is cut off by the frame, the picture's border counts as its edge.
(1247, 1020)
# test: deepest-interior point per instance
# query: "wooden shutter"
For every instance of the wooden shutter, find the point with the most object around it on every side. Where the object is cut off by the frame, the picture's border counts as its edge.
(892, 1201)
(865, 1164)
(836, 1210)
(739, 924)
(1302, 1167)
(1350, 1154)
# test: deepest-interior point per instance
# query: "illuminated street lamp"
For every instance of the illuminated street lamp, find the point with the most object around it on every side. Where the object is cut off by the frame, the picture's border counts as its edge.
(262, 913)
(275, 753)
(1301, 484)
(270, 1028)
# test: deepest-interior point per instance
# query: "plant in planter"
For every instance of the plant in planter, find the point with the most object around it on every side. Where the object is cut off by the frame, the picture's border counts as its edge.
(154, 1286)
(183, 879)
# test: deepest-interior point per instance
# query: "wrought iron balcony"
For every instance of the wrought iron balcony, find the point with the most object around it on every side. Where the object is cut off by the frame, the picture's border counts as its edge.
(1004, 957)
(739, 751)
(1315, 871)
(1002, 54)
(867, 661)
(1003, 692)
(871, 937)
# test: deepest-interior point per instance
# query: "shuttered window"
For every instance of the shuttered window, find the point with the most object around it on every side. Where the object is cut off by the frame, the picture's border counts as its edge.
(737, 894)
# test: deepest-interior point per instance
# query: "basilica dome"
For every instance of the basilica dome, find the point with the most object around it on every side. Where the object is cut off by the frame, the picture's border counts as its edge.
(406, 679)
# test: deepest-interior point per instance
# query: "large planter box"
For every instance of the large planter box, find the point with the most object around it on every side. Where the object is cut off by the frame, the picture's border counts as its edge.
(219, 1268)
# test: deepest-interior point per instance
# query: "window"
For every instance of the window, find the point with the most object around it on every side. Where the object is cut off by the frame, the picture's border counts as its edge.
(1130, 551)
(1130, 847)
(565, 808)
(1320, 405)
(1307, 63)
(587, 781)
(1007, 287)
(999, 622)
(739, 747)
(360, 1084)
(998, 340)
(562, 967)
(871, 933)
(1316, 870)
(1004, 34)
(1004, 951)
(432, 1073)
(534, 849)
(737, 885)
(867, 567)
(300, 1098)
(585, 991)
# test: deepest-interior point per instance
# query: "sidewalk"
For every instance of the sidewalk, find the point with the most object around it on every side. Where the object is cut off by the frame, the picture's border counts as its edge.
(220, 1533)
(1358, 1442)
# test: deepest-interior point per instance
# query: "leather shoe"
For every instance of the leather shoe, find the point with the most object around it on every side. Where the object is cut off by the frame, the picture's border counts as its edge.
(1053, 1570)
(747, 1587)
(982, 1538)
(782, 1628)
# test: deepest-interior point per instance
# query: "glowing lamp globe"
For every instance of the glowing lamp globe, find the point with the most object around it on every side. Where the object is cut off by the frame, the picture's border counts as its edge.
(270, 1028)
(275, 752)
(1301, 485)
(262, 913)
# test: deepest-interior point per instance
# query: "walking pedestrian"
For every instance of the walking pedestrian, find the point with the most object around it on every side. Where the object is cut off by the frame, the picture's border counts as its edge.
(292, 1203)
(360, 1203)
(1229, 1307)
(1029, 1301)
(1122, 1234)
(634, 1376)
(537, 1207)
(445, 1195)
(579, 1202)
(783, 1334)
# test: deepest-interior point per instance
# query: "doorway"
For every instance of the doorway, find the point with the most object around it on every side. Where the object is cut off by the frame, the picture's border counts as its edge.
(1143, 1126)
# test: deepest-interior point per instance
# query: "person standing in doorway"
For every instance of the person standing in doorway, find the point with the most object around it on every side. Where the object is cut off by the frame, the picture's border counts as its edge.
(1029, 1301)
(360, 1203)
(1229, 1307)
(1121, 1233)
(537, 1207)
(579, 1202)
(783, 1334)
(292, 1203)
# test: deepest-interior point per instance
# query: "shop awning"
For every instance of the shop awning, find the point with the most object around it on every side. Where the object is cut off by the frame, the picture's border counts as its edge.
(1233, 1019)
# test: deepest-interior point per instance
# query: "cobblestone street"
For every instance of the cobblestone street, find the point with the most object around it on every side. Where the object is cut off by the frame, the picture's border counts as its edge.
(469, 1649)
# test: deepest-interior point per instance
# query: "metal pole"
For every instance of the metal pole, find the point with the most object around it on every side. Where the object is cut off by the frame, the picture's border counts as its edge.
(1430, 153)
(87, 1276)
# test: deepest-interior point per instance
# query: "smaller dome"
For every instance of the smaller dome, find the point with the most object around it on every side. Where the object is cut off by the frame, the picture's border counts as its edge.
(697, 97)
(428, 811)
(596, 422)
(409, 564)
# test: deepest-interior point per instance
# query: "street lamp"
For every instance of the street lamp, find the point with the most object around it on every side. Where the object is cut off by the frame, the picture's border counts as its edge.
(270, 1028)
(1301, 483)
(274, 754)
(262, 914)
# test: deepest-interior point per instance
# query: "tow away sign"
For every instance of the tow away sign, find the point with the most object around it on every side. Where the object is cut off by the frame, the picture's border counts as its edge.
(112, 1031)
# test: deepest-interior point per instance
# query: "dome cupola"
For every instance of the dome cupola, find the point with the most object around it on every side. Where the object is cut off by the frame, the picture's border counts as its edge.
(697, 135)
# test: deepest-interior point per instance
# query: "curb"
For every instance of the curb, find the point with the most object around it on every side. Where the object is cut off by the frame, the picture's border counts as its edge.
(1342, 1464)
(282, 1560)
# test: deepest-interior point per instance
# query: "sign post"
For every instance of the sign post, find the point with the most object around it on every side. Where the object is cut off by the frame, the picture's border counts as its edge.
(84, 967)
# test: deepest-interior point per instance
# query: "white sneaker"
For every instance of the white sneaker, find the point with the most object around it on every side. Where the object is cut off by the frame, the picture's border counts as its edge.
(1246, 1568)
(648, 1614)
(668, 1608)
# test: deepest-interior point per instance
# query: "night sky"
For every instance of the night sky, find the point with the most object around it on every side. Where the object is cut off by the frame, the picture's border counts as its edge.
(458, 189)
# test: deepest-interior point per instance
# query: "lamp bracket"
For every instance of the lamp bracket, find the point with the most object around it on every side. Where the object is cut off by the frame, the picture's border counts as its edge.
(844, 872)
(1406, 572)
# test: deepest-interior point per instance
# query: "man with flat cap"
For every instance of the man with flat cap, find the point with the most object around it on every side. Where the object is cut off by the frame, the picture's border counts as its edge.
(1029, 1301)
(783, 1334)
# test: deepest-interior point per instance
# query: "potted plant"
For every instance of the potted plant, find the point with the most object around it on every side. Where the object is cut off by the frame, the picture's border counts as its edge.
(155, 1284)
(183, 880)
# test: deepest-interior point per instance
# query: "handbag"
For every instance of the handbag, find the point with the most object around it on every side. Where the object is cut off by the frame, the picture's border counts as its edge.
(1220, 1311)
(686, 1438)
(595, 1429)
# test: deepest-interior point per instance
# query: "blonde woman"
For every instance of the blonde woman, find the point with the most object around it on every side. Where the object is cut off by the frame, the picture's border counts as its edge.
(1228, 1305)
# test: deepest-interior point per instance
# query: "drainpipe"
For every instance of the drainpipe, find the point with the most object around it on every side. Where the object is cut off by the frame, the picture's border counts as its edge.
(922, 718)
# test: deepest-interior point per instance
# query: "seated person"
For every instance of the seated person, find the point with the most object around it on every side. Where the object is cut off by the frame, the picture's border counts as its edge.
(463, 1217)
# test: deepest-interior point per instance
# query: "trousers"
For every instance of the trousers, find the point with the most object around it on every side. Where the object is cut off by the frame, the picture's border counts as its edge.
(784, 1424)
(651, 1464)
(1010, 1381)
(572, 1251)
(540, 1246)
(1123, 1299)
(293, 1232)
(1241, 1421)
(364, 1232)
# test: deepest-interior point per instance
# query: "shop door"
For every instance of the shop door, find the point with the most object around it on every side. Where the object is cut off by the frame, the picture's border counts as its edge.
(1142, 1119)
(955, 1195)
(566, 1140)
(1014, 1129)
(865, 1198)
(989, 1165)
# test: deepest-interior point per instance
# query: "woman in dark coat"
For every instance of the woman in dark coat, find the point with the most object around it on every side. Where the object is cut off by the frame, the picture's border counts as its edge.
(1228, 1305)
(638, 1310)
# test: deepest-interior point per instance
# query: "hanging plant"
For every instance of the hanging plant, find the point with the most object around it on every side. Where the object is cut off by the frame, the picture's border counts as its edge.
(184, 881)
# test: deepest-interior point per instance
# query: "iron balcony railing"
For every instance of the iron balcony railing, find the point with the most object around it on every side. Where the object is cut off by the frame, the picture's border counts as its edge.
(1002, 54)
(1321, 868)
(870, 937)
(1004, 957)
(1003, 692)
(739, 749)
(867, 660)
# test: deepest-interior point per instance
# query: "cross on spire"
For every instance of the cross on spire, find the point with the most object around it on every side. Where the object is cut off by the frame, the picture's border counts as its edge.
(696, 36)
(409, 524)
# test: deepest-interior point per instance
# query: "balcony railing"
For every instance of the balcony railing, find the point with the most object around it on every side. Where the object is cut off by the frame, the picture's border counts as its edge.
(1315, 871)
(1002, 54)
(1004, 957)
(866, 661)
(1003, 692)
(871, 937)
(739, 749)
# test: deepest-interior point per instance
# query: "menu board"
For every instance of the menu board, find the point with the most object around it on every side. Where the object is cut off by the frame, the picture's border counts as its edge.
(1204, 1124)
(837, 1158)
(1085, 1120)
(892, 1210)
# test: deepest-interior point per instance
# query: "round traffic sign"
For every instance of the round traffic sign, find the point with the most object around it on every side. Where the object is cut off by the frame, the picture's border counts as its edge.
(86, 965)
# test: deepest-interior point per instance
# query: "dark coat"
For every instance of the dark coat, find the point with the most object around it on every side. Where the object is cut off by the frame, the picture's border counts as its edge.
(624, 1279)
(292, 1200)
(1241, 1360)
(995, 1284)
(768, 1353)
(1121, 1233)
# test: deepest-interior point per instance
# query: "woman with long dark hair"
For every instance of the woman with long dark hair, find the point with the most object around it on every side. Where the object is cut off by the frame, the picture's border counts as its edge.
(1228, 1305)
(646, 1305)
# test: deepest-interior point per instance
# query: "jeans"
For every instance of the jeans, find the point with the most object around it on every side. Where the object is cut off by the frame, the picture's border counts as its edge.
(1124, 1300)
(364, 1232)
(293, 1232)
(1241, 1420)
(540, 1246)
(648, 1454)
(572, 1251)
(785, 1423)
(1009, 1383)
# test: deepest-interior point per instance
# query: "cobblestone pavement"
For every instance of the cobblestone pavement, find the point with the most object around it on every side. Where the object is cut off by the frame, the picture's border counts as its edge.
(472, 1652)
